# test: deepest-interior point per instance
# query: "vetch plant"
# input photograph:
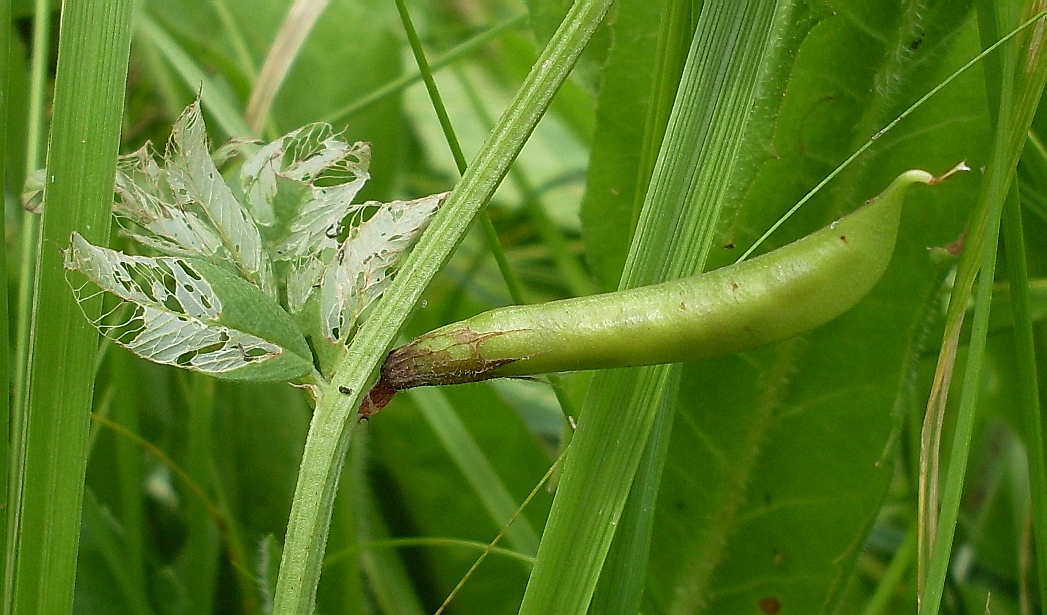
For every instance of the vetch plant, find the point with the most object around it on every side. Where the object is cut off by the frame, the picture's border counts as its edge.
(252, 278)
(243, 269)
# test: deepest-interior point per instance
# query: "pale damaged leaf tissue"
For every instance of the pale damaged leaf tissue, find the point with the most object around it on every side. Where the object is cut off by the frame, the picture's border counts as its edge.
(168, 313)
(186, 208)
(325, 174)
(239, 256)
(361, 269)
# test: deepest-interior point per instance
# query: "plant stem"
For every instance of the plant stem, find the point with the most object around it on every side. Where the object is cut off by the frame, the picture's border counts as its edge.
(335, 417)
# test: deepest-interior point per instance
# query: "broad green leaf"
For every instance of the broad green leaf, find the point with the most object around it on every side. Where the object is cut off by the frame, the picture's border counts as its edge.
(191, 314)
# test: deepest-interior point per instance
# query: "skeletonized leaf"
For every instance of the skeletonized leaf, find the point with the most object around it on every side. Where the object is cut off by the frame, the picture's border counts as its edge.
(301, 188)
(197, 186)
(361, 268)
(313, 152)
(145, 197)
(189, 313)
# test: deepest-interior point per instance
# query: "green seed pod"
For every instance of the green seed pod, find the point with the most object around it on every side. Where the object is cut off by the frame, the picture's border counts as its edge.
(773, 297)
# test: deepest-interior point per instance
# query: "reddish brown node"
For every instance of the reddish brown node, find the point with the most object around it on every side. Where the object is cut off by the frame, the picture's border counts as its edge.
(377, 398)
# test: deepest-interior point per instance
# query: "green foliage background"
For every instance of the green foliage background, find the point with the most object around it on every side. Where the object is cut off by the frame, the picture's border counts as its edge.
(790, 473)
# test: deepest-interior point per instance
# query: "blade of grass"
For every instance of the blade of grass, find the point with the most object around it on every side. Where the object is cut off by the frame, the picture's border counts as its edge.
(1020, 84)
(672, 239)
(85, 135)
(490, 234)
(5, 336)
(1029, 393)
(335, 417)
(473, 464)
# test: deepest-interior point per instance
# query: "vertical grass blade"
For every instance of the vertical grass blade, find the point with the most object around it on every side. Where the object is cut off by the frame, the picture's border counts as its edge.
(456, 148)
(89, 92)
(335, 416)
(5, 337)
(688, 186)
(1029, 394)
(1019, 79)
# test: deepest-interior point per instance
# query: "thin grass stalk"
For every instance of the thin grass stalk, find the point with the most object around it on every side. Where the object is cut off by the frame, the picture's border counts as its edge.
(1020, 84)
(85, 135)
(396, 86)
(945, 526)
(1029, 389)
(5, 335)
(672, 239)
(335, 417)
(490, 234)
(997, 79)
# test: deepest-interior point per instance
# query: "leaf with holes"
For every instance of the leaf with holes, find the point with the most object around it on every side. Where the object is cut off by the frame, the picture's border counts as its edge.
(185, 207)
(360, 270)
(300, 188)
(190, 313)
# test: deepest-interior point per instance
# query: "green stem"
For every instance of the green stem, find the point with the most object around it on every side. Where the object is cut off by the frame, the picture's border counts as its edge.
(335, 417)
